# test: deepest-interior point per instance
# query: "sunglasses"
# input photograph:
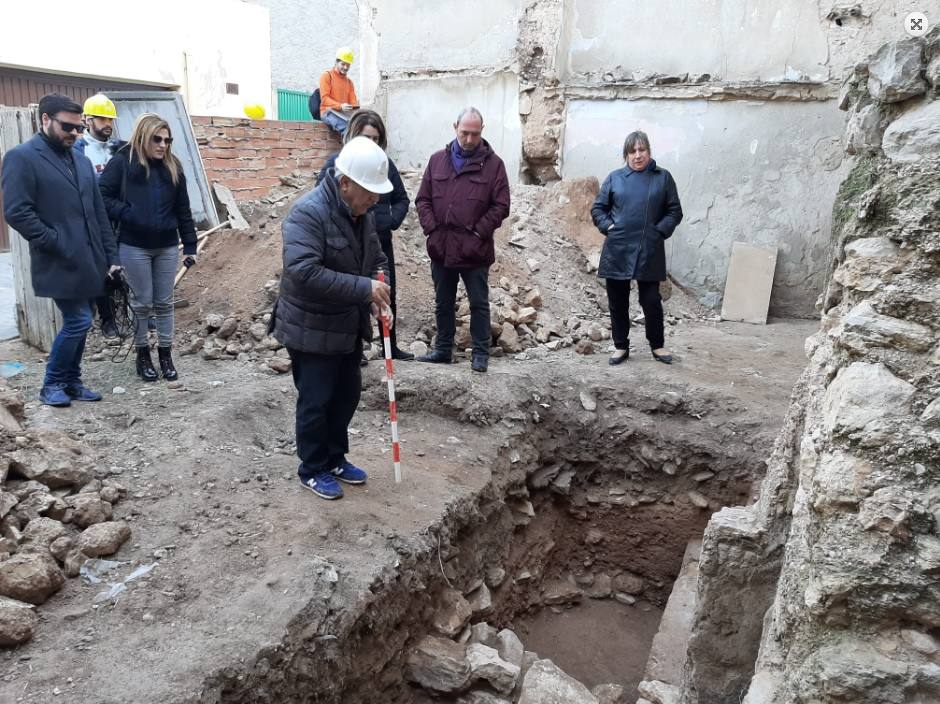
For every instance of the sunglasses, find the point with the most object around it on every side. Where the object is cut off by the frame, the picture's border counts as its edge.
(69, 126)
(157, 139)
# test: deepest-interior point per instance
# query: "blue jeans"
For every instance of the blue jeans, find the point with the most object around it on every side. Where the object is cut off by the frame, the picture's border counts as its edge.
(64, 364)
(335, 122)
(150, 274)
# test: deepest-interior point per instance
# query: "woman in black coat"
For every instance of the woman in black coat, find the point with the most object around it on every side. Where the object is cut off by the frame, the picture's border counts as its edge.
(391, 209)
(144, 190)
(637, 210)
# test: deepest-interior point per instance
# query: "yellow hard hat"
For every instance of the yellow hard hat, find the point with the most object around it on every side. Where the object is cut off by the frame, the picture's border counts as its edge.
(255, 111)
(344, 53)
(99, 105)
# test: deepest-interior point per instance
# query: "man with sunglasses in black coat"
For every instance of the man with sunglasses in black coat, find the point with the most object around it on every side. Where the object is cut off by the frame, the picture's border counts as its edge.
(50, 196)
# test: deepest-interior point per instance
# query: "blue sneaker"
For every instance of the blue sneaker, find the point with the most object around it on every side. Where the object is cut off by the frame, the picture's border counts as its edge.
(323, 485)
(349, 473)
(55, 395)
(80, 392)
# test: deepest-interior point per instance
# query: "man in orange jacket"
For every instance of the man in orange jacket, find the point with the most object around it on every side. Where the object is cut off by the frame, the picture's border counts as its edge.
(337, 92)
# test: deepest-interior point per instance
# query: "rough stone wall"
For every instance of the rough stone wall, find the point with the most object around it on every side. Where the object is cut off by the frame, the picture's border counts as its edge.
(252, 156)
(849, 511)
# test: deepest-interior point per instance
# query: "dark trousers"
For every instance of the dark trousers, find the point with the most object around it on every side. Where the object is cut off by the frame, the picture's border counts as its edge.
(64, 363)
(445, 293)
(389, 251)
(618, 298)
(328, 390)
(105, 310)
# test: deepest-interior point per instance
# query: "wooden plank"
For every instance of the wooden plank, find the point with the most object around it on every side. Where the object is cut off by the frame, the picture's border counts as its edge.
(37, 319)
(749, 283)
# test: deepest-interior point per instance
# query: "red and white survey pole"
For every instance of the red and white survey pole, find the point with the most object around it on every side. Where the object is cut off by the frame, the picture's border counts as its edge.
(392, 404)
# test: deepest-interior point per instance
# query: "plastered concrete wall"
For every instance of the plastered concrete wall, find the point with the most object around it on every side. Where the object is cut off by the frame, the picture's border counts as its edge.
(747, 171)
(304, 37)
(727, 39)
(205, 45)
(414, 134)
(445, 35)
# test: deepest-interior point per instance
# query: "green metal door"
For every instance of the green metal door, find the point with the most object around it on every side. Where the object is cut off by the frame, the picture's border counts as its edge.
(292, 105)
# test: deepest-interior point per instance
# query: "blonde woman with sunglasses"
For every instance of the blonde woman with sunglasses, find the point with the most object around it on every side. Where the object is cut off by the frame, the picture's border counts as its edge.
(144, 190)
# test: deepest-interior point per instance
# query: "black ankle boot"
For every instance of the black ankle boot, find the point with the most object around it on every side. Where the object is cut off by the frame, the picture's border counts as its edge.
(145, 368)
(166, 364)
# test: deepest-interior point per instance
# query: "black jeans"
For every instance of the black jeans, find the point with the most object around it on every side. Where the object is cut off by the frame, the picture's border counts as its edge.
(618, 298)
(105, 310)
(328, 390)
(389, 251)
(445, 293)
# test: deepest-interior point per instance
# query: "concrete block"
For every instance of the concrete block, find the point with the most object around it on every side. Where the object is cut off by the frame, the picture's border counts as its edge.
(750, 280)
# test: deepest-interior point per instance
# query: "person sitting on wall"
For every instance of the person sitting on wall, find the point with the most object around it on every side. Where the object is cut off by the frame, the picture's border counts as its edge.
(337, 92)
(96, 144)
(637, 210)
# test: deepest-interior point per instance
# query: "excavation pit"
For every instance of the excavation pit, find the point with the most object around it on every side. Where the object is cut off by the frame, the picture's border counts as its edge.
(262, 593)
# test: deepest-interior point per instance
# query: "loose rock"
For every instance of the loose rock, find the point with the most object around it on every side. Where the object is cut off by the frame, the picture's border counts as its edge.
(439, 665)
(546, 683)
(486, 665)
(30, 577)
(17, 622)
(453, 613)
(103, 538)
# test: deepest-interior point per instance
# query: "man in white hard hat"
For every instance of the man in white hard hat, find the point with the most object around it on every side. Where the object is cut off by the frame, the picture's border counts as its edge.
(332, 258)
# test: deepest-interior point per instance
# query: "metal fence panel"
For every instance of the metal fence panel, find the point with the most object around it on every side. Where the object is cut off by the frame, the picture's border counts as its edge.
(293, 105)
(170, 107)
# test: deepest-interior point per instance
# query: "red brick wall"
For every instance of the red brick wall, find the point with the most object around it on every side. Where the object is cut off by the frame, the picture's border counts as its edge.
(250, 156)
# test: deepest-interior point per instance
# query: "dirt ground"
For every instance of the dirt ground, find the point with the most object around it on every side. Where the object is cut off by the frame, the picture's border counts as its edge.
(241, 551)
(212, 492)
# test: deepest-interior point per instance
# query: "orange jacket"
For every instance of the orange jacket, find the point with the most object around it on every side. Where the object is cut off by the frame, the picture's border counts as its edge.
(336, 89)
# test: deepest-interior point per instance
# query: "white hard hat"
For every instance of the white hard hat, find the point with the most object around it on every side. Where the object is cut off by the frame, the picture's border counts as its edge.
(363, 161)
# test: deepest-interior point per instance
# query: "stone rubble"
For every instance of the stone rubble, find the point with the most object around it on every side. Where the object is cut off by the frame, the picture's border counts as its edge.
(54, 515)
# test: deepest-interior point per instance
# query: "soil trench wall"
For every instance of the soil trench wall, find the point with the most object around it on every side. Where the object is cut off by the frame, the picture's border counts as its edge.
(252, 156)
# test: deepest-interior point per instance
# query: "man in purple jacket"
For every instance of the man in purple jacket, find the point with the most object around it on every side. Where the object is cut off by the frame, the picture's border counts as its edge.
(463, 199)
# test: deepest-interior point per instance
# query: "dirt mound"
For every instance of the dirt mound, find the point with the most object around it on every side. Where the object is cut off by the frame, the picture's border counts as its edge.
(543, 284)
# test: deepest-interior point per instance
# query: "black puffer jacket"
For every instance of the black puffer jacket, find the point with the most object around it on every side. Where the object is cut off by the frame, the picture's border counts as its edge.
(392, 207)
(329, 261)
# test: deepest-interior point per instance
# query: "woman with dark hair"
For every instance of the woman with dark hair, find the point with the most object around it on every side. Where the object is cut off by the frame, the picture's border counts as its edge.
(392, 207)
(144, 190)
(637, 210)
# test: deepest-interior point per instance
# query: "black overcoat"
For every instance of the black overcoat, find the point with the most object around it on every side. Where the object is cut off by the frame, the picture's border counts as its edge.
(637, 211)
(61, 214)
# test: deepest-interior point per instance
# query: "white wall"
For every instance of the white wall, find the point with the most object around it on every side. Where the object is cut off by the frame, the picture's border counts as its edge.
(420, 115)
(758, 172)
(305, 35)
(728, 39)
(197, 46)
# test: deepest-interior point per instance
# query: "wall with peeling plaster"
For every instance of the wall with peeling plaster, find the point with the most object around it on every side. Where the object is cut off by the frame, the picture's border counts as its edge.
(747, 171)
(708, 79)
(414, 135)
